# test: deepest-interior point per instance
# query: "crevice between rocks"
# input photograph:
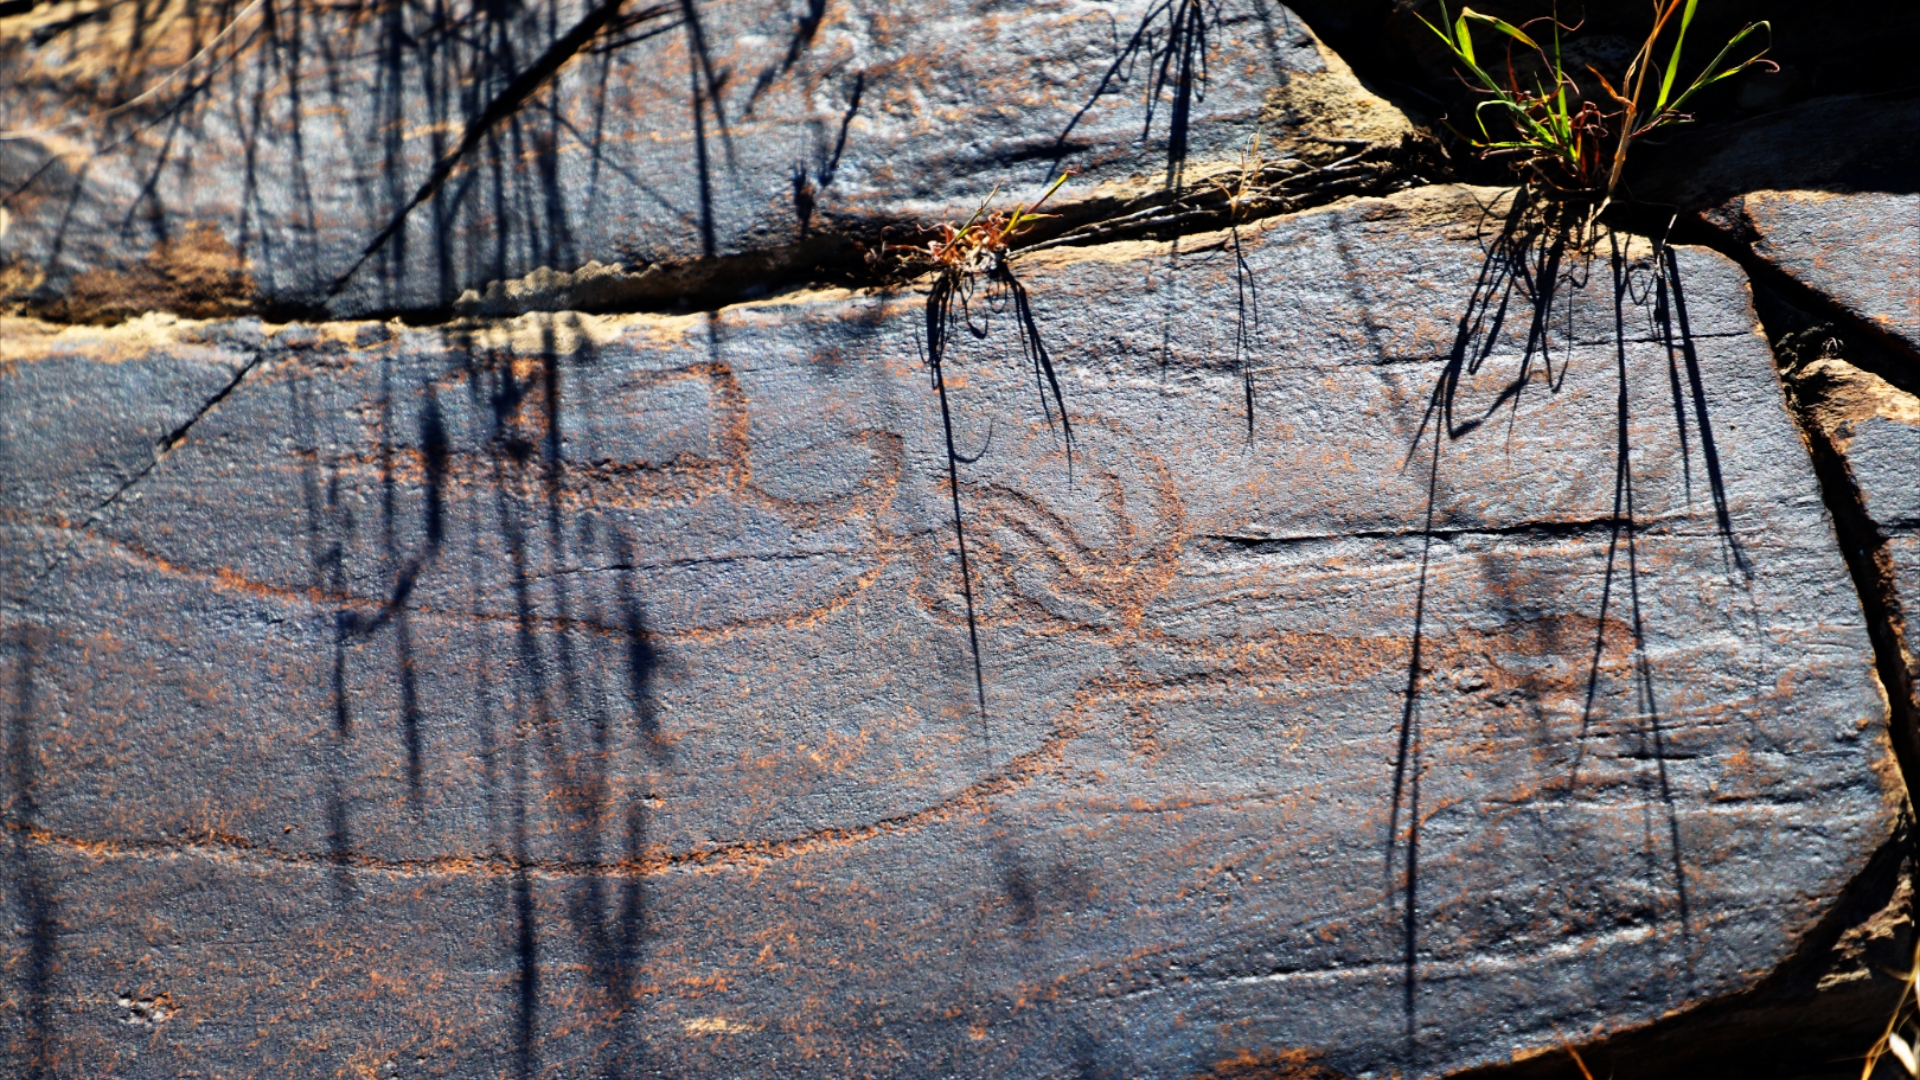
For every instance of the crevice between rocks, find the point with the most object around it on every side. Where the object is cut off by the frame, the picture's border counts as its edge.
(860, 252)
(1799, 340)
(1726, 230)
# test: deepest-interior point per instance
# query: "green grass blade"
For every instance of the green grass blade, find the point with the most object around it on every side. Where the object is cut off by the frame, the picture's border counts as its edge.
(1532, 130)
(1464, 56)
(1712, 75)
(981, 210)
(1501, 25)
(1464, 39)
(1673, 65)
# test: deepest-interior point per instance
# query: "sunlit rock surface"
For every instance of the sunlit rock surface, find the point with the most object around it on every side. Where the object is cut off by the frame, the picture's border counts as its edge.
(298, 138)
(1867, 431)
(1859, 251)
(594, 695)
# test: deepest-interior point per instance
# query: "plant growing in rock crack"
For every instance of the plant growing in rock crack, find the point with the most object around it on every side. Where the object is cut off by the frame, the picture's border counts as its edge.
(973, 272)
(1901, 1037)
(1564, 141)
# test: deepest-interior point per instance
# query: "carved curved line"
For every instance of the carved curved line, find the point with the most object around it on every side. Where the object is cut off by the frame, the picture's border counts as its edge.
(226, 580)
(744, 856)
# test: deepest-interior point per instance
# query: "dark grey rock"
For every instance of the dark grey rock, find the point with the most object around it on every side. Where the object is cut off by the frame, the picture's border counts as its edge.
(1858, 251)
(760, 127)
(1841, 144)
(1866, 430)
(72, 445)
(592, 695)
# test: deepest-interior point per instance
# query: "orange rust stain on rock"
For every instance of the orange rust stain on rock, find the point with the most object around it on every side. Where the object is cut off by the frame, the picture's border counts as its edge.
(749, 856)
(1291, 1064)
(17, 281)
(197, 274)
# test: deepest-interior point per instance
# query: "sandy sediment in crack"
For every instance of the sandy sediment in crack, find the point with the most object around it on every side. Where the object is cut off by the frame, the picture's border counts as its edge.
(30, 339)
(1316, 117)
(199, 276)
(558, 312)
(1841, 395)
(1334, 104)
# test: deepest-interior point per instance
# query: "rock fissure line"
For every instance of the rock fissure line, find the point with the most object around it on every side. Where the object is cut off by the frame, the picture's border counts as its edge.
(1478, 963)
(844, 258)
(174, 438)
(1548, 529)
(1703, 229)
(1863, 545)
(161, 450)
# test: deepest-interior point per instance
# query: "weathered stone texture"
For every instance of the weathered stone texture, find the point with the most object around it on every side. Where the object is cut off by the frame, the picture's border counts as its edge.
(591, 695)
(759, 127)
(1860, 252)
(1870, 428)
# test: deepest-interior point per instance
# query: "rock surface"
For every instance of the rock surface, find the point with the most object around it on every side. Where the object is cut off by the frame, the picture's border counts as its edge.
(593, 695)
(758, 128)
(1867, 430)
(1858, 251)
(1837, 265)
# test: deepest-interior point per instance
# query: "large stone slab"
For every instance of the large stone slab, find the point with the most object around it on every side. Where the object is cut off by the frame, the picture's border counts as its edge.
(675, 132)
(593, 694)
(1859, 251)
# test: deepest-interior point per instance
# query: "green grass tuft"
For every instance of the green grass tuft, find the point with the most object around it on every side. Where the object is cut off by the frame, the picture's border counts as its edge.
(1566, 141)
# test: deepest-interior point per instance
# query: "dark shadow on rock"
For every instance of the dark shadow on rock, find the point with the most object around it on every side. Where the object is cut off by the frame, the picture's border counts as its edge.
(519, 83)
(816, 171)
(473, 451)
(1167, 54)
(805, 25)
(1844, 144)
(444, 122)
(329, 528)
(1539, 267)
(36, 906)
(577, 650)
(1651, 740)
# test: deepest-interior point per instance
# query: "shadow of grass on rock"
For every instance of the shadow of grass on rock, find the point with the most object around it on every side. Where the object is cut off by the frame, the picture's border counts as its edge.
(1550, 294)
